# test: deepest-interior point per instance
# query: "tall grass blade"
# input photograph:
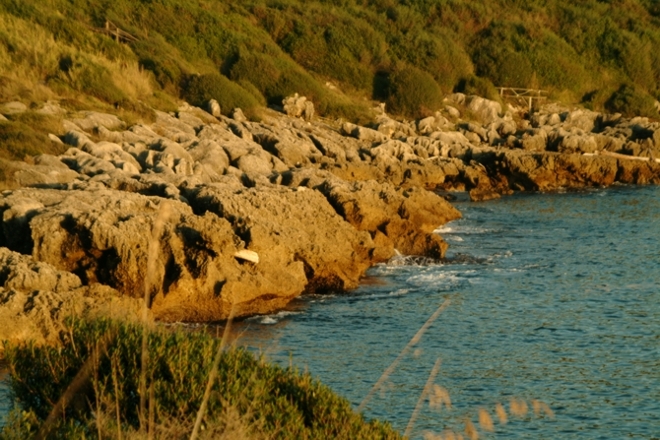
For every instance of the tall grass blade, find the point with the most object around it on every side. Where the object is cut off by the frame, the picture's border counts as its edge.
(418, 336)
(422, 397)
(212, 376)
(149, 281)
(77, 383)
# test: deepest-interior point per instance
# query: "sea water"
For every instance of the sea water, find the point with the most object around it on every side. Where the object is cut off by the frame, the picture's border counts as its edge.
(553, 297)
(5, 402)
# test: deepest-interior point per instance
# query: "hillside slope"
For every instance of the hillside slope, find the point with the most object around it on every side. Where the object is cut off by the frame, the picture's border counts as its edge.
(337, 52)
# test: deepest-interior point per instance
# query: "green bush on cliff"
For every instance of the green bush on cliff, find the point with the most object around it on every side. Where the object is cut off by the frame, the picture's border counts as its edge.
(631, 101)
(413, 93)
(289, 46)
(27, 135)
(474, 85)
(199, 89)
(261, 400)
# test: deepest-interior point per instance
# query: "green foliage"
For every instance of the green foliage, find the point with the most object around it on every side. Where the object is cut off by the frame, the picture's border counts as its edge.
(413, 93)
(26, 135)
(281, 403)
(199, 89)
(474, 85)
(632, 101)
(273, 48)
(85, 76)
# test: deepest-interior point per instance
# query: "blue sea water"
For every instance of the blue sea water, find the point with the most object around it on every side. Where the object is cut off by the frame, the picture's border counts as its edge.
(5, 402)
(554, 297)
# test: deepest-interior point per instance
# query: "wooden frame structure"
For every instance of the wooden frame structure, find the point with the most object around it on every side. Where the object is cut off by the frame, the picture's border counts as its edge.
(526, 96)
(113, 31)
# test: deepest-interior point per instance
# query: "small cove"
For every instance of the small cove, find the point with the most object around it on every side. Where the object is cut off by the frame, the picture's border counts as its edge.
(554, 297)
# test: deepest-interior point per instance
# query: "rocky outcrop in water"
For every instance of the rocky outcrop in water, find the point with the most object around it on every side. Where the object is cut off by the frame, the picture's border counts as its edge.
(255, 214)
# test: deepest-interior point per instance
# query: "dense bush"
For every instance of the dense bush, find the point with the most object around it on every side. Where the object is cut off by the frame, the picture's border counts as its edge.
(266, 399)
(632, 101)
(199, 89)
(474, 85)
(88, 77)
(413, 93)
(27, 135)
(286, 46)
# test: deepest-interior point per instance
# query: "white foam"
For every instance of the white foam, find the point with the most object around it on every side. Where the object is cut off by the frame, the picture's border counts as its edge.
(462, 229)
(434, 278)
(272, 319)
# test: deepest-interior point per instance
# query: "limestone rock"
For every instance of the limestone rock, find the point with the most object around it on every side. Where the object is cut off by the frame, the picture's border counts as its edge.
(481, 195)
(12, 108)
(213, 107)
(407, 218)
(486, 110)
(90, 121)
(582, 119)
(237, 115)
(104, 236)
(296, 234)
(363, 133)
(298, 106)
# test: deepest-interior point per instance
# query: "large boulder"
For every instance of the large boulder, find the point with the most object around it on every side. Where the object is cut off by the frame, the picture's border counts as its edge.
(295, 232)
(91, 121)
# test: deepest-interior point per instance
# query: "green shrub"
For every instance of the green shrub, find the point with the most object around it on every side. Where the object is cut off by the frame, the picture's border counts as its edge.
(435, 52)
(279, 403)
(18, 141)
(631, 101)
(259, 70)
(85, 76)
(474, 85)
(199, 89)
(413, 93)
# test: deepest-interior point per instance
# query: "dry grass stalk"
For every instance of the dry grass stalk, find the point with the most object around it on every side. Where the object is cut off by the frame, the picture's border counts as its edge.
(150, 280)
(485, 420)
(212, 376)
(77, 383)
(418, 336)
(439, 396)
(518, 407)
(501, 414)
(426, 391)
(541, 407)
(114, 364)
(470, 430)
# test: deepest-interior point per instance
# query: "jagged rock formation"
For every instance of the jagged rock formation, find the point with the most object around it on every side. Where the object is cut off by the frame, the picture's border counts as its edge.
(254, 214)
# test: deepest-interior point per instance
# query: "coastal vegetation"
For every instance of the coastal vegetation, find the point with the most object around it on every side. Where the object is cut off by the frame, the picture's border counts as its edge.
(250, 398)
(339, 53)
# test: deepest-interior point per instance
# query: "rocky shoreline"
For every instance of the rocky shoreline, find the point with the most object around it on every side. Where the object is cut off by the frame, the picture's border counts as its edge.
(254, 214)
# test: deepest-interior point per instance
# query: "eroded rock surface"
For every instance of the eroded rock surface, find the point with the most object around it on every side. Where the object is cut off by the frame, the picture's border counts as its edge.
(254, 214)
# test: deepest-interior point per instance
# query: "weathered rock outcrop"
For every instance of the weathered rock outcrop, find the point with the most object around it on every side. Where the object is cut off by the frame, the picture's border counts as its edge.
(35, 298)
(254, 214)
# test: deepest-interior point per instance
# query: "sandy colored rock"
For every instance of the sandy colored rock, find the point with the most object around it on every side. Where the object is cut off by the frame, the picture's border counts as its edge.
(36, 298)
(293, 231)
